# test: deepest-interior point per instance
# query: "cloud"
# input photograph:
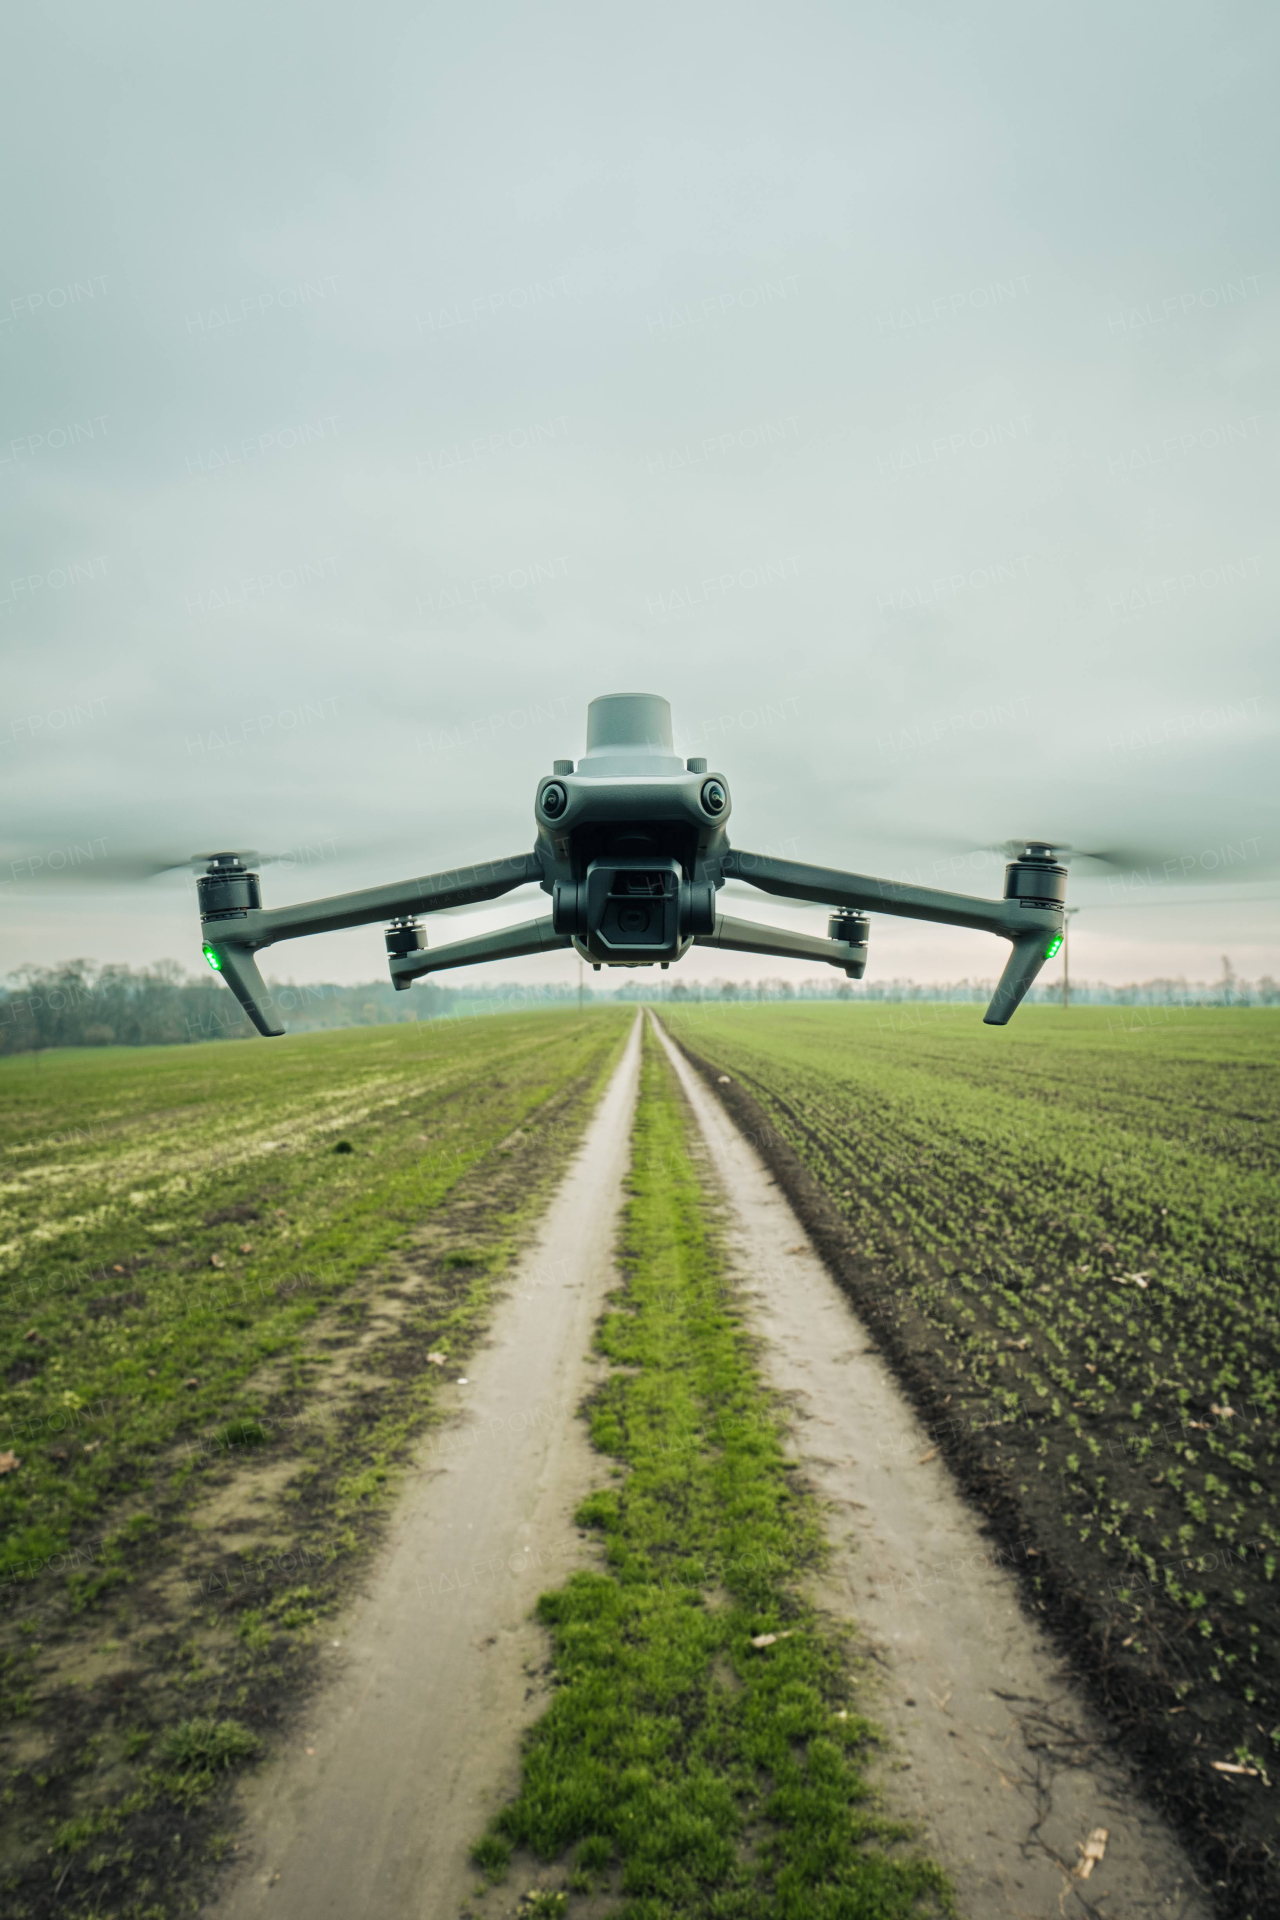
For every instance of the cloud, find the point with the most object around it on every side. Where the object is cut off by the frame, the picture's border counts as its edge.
(893, 402)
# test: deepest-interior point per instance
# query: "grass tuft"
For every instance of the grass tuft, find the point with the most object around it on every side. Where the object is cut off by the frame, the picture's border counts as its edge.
(492, 1854)
(207, 1746)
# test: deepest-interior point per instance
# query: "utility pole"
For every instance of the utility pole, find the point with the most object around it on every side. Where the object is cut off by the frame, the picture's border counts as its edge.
(1066, 954)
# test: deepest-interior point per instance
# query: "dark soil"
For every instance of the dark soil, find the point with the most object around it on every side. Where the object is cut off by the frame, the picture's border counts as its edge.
(1138, 1658)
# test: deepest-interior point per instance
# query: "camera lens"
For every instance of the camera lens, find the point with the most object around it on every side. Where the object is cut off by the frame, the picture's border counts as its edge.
(714, 797)
(554, 800)
(633, 919)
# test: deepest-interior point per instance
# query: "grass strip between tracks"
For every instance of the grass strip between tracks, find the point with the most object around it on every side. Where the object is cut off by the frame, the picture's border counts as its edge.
(699, 1773)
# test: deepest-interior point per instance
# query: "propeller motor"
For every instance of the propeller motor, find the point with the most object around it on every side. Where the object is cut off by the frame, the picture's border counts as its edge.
(1035, 876)
(226, 886)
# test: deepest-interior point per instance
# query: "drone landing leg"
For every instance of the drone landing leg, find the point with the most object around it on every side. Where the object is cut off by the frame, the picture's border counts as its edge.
(240, 971)
(1020, 969)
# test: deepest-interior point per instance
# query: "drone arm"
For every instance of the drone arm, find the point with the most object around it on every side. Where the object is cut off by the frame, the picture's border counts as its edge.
(432, 893)
(231, 939)
(793, 881)
(1033, 930)
(508, 943)
(742, 936)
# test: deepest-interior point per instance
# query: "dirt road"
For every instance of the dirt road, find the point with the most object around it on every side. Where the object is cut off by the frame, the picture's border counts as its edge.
(394, 1771)
(997, 1756)
(392, 1774)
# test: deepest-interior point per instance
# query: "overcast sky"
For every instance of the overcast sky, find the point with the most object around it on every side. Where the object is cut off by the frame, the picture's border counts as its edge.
(892, 388)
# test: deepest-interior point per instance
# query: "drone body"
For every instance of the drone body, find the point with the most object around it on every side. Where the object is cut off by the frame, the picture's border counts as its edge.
(632, 848)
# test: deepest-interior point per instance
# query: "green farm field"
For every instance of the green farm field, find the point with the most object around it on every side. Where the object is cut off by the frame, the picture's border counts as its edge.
(223, 1269)
(1065, 1234)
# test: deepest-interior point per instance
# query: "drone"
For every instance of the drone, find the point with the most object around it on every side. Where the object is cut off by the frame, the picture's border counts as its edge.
(632, 849)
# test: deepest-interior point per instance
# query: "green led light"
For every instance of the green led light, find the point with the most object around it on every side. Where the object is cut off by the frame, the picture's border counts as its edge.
(1054, 946)
(211, 955)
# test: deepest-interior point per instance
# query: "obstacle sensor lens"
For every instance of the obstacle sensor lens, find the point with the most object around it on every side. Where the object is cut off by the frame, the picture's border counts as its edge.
(554, 800)
(714, 797)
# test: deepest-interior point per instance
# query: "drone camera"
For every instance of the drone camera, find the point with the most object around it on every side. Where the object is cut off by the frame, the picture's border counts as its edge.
(634, 907)
(630, 911)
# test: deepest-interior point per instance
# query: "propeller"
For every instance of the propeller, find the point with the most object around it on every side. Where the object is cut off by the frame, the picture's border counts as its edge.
(87, 863)
(1195, 863)
(248, 857)
(1120, 859)
(93, 862)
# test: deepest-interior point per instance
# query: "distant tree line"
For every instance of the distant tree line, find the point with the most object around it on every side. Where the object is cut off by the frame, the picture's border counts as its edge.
(1230, 991)
(81, 1004)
